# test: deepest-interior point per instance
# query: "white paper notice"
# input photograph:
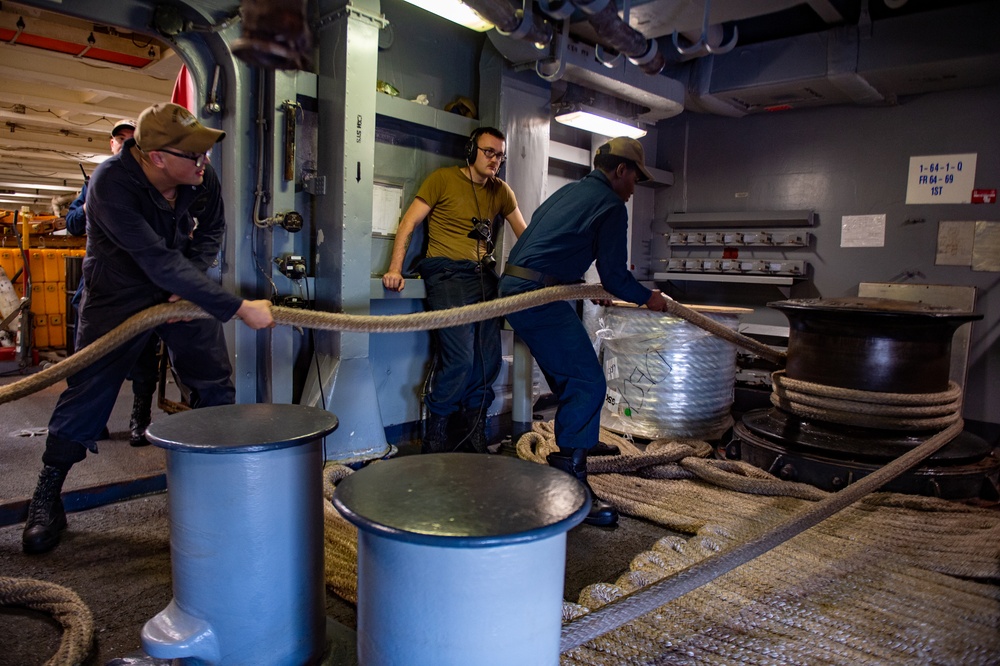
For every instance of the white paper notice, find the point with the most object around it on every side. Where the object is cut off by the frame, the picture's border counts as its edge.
(986, 253)
(954, 243)
(862, 231)
(941, 179)
(387, 207)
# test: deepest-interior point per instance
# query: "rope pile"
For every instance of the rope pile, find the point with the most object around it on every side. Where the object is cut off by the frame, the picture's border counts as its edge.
(61, 603)
(892, 579)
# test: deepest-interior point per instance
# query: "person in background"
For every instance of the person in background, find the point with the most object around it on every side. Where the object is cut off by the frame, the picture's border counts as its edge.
(144, 373)
(582, 222)
(460, 205)
(155, 222)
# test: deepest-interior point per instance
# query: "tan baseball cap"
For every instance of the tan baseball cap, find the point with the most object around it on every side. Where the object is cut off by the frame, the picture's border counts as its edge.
(124, 123)
(630, 149)
(172, 126)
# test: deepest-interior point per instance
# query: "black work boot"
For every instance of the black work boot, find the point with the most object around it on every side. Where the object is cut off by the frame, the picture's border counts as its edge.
(142, 405)
(46, 516)
(602, 449)
(574, 461)
(475, 431)
(435, 435)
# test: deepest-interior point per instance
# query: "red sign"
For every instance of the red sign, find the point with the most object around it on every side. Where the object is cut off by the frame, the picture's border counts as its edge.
(984, 196)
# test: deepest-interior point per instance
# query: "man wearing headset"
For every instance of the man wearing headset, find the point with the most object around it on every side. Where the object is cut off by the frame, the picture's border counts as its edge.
(460, 204)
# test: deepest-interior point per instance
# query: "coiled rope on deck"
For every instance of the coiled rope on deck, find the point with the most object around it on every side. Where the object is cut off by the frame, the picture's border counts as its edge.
(61, 603)
(891, 579)
(887, 411)
(646, 599)
(345, 322)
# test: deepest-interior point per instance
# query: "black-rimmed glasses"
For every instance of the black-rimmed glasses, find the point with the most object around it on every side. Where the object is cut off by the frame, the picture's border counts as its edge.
(199, 159)
(490, 154)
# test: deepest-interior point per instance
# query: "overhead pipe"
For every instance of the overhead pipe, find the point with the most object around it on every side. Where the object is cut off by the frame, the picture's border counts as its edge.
(616, 33)
(602, 14)
(520, 24)
(275, 35)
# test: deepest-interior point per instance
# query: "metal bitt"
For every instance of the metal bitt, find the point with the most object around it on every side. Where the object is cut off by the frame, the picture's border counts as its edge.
(461, 559)
(246, 536)
(871, 344)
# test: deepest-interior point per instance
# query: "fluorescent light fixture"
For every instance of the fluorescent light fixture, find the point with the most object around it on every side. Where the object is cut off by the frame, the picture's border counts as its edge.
(14, 185)
(455, 11)
(599, 122)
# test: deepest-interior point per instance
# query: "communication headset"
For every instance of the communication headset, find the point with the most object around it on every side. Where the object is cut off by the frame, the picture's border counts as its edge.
(472, 145)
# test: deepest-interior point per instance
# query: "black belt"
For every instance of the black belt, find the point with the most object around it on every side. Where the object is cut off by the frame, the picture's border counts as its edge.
(534, 276)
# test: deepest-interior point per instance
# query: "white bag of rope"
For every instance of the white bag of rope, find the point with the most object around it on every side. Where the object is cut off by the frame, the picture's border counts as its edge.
(9, 302)
(666, 378)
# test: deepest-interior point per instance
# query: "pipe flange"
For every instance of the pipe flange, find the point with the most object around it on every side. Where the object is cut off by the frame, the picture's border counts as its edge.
(648, 56)
(524, 26)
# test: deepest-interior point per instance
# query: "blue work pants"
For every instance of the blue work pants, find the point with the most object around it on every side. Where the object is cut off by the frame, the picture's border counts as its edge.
(145, 373)
(565, 355)
(197, 353)
(467, 357)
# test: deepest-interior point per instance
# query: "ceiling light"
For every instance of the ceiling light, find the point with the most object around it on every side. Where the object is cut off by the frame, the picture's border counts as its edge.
(599, 122)
(5, 185)
(455, 11)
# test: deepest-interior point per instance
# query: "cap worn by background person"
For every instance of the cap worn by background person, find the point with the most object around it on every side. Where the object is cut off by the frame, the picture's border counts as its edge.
(124, 123)
(172, 126)
(630, 149)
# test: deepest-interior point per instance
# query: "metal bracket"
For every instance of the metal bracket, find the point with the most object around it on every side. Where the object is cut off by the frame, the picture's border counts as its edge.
(559, 60)
(313, 183)
(702, 45)
(212, 104)
(592, 7)
(379, 20)
(557, 9)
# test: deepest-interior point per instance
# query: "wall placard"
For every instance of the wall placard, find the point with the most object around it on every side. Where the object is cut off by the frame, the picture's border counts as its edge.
(387, 207)
(986, 249)
(954, 243)
(862, 231)
(941, 179)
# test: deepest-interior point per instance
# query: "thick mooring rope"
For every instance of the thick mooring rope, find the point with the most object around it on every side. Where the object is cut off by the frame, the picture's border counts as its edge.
(339, 567)
(868, 409)
(61, 603)
(891, 579)
(649, 598)
(339, 321)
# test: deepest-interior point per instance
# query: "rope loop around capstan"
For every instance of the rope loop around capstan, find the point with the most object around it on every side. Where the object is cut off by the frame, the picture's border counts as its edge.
(869, 409)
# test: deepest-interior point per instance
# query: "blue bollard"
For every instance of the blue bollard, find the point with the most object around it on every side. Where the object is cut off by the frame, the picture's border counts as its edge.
(246, 536)
(461, 559)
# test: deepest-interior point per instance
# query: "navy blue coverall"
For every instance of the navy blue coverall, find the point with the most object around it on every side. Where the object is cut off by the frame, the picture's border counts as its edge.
(144, 373)
(582, 222)
(139, 252)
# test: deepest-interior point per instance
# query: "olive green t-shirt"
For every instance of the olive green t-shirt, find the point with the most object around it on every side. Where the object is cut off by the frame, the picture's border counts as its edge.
(454, 200)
